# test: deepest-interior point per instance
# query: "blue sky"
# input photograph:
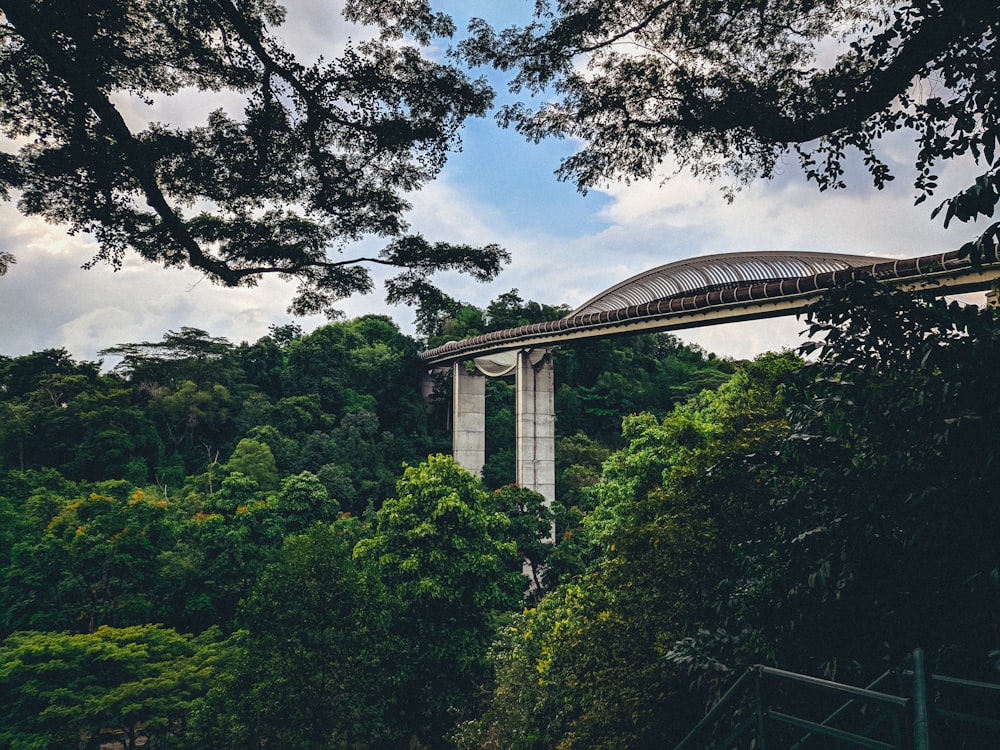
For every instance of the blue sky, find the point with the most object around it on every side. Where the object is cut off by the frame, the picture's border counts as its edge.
(499, 189)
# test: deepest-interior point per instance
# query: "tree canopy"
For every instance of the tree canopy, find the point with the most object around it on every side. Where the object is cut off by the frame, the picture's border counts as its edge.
(825, 516)
(321, 156)
(729, 88)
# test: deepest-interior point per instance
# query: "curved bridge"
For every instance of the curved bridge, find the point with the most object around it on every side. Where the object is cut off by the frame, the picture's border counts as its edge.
(689, 293)
(723, 288)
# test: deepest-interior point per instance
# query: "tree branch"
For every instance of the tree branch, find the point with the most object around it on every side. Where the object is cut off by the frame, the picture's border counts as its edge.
(868, 95)
(31, 30)
(651, 16)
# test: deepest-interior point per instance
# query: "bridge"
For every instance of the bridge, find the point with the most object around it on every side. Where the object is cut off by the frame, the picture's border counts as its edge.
(707, 290)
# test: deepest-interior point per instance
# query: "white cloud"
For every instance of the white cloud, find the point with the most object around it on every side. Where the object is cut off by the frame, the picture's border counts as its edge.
(317, 28)
(48, 301)
(789, 214)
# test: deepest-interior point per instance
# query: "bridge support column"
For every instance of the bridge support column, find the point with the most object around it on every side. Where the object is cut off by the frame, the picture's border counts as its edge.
(468, 418)
(535, 427)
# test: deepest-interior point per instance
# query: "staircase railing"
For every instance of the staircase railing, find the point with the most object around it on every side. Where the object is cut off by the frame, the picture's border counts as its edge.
(869, 717)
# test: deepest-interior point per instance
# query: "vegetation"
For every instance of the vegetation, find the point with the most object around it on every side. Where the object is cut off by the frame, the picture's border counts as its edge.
(734, 90)
(826, 516)
(281, 510)
(231, 546)
(135, 686)
(322, 154)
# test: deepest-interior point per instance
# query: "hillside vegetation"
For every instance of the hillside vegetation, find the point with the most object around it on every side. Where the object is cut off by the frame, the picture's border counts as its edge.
(221, 546)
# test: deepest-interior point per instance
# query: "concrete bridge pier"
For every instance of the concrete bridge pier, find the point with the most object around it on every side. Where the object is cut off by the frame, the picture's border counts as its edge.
(468, 440)
(534, 422)
(535, 426)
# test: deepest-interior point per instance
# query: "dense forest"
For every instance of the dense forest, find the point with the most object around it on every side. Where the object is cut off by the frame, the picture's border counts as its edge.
(183, 490)
(225, 546)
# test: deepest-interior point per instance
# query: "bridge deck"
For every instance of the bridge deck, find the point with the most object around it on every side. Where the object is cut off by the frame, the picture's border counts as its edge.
(725, 300)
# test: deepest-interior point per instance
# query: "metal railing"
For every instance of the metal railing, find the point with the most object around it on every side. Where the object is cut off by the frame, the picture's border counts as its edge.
(868, 717)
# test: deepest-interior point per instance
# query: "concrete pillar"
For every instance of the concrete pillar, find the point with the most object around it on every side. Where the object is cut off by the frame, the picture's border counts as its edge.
(469, 418)
(535, 427)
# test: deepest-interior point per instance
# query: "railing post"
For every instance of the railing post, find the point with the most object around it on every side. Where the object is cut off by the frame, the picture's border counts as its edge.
(760, 710)
(921, 734)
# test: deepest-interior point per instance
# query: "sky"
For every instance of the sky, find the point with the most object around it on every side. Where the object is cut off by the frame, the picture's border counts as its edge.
(565, 247)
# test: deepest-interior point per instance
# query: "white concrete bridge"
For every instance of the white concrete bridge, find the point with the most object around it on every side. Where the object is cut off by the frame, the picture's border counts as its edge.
(700, 291)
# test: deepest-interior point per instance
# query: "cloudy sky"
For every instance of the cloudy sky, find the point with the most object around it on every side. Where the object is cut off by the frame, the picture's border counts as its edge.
(499, 189)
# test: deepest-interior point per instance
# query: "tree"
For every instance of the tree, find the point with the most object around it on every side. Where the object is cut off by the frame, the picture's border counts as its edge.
(531, 522)
(61, 413)
(729, 88)
(94, 563)
(303, 676)
(509, 310)
(892, 468)
(445, 561)
(238, 535)
(135, 685)
(322, 155)
(189, 354)
(195, 421)
(303, 501)
(589, 667)
(254, 460)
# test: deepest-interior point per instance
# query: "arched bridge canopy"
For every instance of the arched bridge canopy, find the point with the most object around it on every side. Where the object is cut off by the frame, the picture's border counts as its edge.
(712, 272)
(719, 289)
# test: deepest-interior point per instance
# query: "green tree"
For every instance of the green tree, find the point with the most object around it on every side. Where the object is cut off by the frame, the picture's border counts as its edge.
(93, 563)
(878, 535)
(195, 421)
(592, 666)
(601, 381)
(501, 464)
(531, 525)
(236, 536)
(383, 365)
(301, 415)
(890, 513)
(509, 310)
(136, 685)
(732, 89)
(304, 500)
(118, 441)
(15, 431)
(371, 456)
(254, 460)
(189, 354)
(322, 155)
(304, 675)
(66, 415)
(447, 566)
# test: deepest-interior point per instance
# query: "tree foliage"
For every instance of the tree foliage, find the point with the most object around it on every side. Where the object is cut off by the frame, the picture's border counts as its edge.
(137, 686)
(730, 88)
(447, 563)
(321, 156)
(304, 676)
(894, 513)
(827, 518)
(588, 667)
